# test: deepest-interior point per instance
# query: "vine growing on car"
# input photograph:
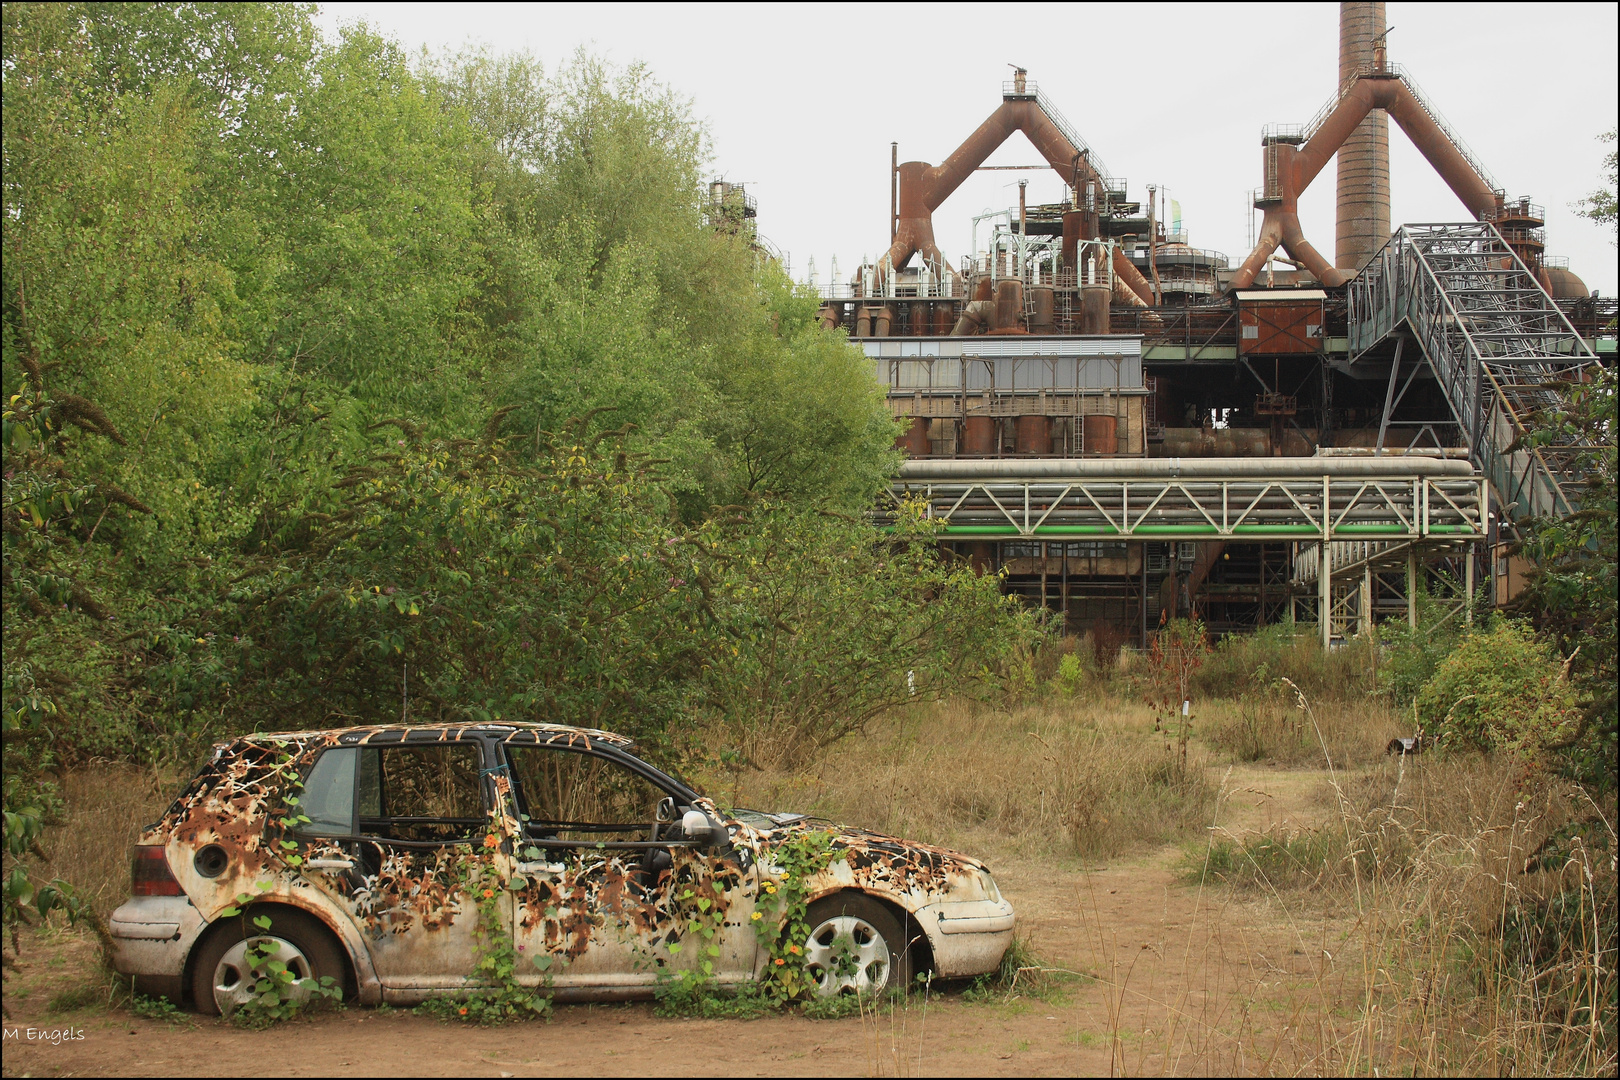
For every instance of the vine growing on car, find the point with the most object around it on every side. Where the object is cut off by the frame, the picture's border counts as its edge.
(499, 995)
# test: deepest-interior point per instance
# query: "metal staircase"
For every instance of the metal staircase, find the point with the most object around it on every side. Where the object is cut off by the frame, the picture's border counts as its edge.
(1495, 341)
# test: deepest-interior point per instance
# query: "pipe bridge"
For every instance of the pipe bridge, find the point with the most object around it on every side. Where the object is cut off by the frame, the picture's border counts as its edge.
(1494, 340)
(1326, 499)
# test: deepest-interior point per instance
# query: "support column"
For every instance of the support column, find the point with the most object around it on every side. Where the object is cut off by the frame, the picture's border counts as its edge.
(1064, 587)
(1143, 549)
(1411, 587)
(1324, 572)
(1365, 615)
(1045, 601)
(1324, 595)
(1468, 583)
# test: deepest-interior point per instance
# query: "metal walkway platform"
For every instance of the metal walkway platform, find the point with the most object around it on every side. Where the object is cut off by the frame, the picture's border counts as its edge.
(1494, 340)
(1391, 498)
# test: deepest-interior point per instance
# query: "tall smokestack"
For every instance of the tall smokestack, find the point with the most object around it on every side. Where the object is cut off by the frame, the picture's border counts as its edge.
(1363, 208)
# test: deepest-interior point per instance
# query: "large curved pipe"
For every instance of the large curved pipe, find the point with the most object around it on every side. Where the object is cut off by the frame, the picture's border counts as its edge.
(1296, 168)
(923, 187)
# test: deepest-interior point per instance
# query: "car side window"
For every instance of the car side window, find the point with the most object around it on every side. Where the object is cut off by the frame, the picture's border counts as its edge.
(328, 795)
(567, 795)
(420, 793)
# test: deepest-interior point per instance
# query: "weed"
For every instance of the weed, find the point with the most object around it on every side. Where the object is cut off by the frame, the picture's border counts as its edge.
(674, 997)
(76, 998)
(157, 1008)
(837, 1007)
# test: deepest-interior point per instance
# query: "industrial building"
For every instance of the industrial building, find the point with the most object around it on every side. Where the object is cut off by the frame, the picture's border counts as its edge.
(1134, 429)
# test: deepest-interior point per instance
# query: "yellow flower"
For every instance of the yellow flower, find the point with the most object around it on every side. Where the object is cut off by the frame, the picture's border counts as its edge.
(756, 915)
(770, 888)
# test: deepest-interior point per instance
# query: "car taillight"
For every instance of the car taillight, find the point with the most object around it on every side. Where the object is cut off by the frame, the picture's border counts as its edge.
(150, 874)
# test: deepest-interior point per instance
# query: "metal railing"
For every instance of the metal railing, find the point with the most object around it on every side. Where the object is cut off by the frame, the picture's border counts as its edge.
(1390, 508)
(1494, 339)
(1028, 89)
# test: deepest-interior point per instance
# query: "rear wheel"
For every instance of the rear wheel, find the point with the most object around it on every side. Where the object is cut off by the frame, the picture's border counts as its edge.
(855, 946)
(235, 956)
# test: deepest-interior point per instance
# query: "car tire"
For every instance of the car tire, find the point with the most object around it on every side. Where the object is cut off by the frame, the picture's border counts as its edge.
(855, 945)
(306, 944)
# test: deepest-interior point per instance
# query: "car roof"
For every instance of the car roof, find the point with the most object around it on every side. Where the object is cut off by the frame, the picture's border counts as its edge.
(503, 730)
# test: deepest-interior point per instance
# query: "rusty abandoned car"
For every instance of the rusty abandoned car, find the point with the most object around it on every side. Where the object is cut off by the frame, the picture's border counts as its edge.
(354, 846)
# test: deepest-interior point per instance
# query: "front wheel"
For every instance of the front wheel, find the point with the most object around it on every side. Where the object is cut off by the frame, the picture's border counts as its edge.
(855, 946)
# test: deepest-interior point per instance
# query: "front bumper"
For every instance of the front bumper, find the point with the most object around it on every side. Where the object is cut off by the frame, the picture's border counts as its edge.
(967, 937)
(151, 938)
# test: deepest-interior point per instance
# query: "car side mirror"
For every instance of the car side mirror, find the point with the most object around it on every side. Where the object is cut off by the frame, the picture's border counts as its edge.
(696, 826)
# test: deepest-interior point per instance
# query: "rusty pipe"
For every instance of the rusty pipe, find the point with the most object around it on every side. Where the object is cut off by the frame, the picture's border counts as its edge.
(923, 187)
(1023, 115)
(1392, 95)
(1135, 284)
(1440, 152)
(1301, 250)
(976, 317)
(1297, 167)
(1280, 227)
(1266, 243)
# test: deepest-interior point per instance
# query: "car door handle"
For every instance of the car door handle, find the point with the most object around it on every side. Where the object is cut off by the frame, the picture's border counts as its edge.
(540, 867)
(330, 864)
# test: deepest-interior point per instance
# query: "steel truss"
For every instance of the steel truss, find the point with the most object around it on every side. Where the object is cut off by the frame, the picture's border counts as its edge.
(1494, 339)
(1390, 508)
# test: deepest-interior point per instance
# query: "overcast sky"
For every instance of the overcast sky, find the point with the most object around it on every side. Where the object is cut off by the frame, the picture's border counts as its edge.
(802, 101)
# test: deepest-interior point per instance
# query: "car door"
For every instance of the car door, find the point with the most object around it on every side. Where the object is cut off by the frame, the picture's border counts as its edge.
(607, 895)
(392, 829)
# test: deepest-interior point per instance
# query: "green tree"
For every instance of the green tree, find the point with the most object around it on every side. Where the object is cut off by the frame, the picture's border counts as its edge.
(1600, 205)
(1573, 584)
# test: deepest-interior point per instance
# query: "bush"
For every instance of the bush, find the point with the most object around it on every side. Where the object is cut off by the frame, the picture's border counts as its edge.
(1247, 665)
(1501, 688)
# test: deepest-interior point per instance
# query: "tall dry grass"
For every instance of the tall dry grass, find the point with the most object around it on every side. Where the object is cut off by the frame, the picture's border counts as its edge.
(1477, 901)
(107, 806)
(1083, 777)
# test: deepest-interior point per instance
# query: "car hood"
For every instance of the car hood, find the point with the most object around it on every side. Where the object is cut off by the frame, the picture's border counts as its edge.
(879, 862)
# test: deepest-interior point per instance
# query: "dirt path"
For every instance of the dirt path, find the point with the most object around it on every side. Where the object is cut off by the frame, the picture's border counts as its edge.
(1176, 978)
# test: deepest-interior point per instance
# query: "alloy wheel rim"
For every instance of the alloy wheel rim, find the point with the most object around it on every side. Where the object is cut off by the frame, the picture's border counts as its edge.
(846, 954)
(235, 978)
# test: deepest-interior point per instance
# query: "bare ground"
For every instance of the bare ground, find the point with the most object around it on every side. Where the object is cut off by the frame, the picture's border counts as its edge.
(1165, 976)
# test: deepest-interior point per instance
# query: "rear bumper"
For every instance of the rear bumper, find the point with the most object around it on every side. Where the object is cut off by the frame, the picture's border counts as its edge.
(151, 938)
(967, 938)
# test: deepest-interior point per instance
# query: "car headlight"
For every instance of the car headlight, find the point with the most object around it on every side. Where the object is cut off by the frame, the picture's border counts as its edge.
(989, 885)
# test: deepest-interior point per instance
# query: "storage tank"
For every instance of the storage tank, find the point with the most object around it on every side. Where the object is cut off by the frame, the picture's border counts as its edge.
(1099, 435)
(914, 440)
(1033, 436)
(1009, 304)
(1042, 301)
(1094, 301)
(979, 437)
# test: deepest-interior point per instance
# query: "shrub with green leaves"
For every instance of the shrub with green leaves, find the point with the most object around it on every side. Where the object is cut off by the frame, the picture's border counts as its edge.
(1500, 689)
